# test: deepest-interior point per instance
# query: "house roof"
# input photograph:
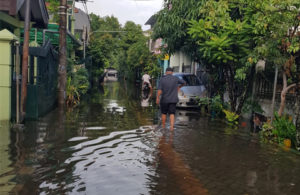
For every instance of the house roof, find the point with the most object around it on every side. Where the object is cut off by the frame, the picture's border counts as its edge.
(52, 33)
(151, 21)
(81, 20)
(39, 13)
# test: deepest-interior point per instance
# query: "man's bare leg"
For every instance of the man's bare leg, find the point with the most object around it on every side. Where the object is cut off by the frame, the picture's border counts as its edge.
(163, 120)
(172, 121)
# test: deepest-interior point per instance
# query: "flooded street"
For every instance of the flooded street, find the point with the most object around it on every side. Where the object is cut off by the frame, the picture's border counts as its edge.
(112, 144)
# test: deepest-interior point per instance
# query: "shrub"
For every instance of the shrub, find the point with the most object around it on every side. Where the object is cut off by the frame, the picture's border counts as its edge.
(81, 81)
(215, 104)
(231, 117)
(77, 85)
(284, 129)
(73, 96)
(266, 133)
(252, 106)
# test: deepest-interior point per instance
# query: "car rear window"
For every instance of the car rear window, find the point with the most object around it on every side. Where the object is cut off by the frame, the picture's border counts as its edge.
(191, 80)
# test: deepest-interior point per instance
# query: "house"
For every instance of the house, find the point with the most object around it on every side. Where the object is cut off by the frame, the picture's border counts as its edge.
(180, 61)
(156, 45)
(82, 25)
(12, 15)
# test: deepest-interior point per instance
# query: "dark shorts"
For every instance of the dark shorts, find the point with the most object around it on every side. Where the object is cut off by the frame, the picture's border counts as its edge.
(168, 108)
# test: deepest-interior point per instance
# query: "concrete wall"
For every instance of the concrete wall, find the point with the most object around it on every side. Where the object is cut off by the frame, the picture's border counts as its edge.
(5, 74)
(266, 105)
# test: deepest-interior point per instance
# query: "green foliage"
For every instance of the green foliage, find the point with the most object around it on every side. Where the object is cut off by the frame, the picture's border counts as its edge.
(125, 49)
(284, 129)
(80, 80)
(152, 67)
(215, 104)
(231, 117)
(53, 10)
(77, 83)
(250, 106)
(266, 134)
(204, 101)
(222, 38)
(232, 36)
(73, 97)
(172, 23)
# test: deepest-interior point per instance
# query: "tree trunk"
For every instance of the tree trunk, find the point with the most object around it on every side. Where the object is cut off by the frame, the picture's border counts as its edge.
(246, 91)
(228, 75)
(284, 91)
(297, 117)
(297, 112)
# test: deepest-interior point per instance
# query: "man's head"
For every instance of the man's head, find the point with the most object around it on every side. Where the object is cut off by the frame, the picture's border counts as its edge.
(169, 70)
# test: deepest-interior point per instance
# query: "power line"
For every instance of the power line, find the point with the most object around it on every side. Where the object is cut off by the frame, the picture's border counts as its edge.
(104, 31)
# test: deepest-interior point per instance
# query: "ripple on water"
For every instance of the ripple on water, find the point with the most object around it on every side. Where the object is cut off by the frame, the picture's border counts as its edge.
(94, 128)
(118, 163)
(74, 139)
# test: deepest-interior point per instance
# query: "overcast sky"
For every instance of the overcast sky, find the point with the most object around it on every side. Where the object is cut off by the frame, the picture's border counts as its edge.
(138, 11)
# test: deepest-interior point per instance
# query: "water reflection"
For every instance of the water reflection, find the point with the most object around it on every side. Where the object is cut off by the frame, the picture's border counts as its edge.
(182, 176)
(6, 169)
(145, 99)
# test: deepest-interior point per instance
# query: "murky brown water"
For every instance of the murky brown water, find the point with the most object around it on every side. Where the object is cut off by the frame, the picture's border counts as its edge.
(112, 144)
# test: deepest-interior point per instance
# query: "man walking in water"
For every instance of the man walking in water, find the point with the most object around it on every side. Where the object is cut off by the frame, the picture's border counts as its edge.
(168, 90)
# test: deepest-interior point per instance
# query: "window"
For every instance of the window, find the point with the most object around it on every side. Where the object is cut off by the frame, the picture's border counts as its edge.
(191, 80)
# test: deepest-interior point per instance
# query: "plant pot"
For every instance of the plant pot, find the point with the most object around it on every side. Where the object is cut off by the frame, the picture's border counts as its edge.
(287, 143)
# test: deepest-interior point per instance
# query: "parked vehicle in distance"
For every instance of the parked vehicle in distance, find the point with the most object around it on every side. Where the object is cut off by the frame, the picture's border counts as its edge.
(111, 75)
(192, 91)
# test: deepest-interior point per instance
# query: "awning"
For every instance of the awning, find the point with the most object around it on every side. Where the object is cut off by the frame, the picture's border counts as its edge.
(39, 13)
(52, 33)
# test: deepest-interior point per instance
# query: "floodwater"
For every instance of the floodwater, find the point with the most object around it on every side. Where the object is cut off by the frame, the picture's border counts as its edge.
(113, 144)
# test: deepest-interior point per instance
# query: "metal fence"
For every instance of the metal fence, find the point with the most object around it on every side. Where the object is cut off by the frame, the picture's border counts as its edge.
(42, 80)
(264, 88)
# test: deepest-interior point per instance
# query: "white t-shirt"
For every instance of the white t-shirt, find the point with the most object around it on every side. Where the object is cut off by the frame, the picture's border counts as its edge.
(146, 78)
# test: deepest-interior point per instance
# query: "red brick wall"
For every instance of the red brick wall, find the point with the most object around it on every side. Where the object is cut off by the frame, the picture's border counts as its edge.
(9, 6)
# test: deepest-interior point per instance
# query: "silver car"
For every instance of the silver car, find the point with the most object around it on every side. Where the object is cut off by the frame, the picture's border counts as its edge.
(192, 91)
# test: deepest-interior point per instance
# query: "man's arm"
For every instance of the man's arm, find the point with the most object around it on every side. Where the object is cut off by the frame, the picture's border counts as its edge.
(159, 92)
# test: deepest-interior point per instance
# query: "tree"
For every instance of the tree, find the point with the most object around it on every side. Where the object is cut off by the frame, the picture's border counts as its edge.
(104, 44)
(277, 39)
(122, 48)
(53, 9)
(172, 23)
(224, 40)
(231, 36)
(137, 55)
(208, 31)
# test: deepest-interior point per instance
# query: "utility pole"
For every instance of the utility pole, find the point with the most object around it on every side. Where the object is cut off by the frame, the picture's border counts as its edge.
(62, 67)
(25, 60)
(17, 83)
(84, 37)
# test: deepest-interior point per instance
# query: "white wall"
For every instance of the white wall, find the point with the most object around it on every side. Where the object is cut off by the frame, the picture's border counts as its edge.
(179, 58)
